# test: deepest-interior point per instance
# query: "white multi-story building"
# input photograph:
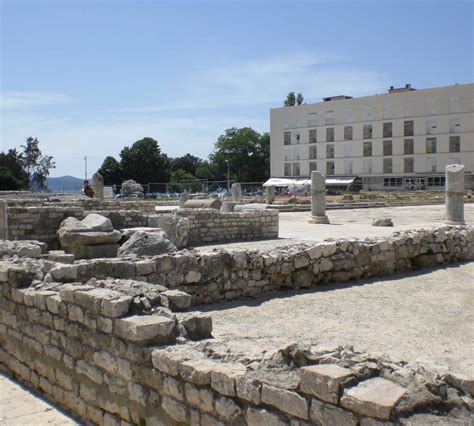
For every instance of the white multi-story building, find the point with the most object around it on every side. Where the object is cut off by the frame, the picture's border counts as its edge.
(399, 140)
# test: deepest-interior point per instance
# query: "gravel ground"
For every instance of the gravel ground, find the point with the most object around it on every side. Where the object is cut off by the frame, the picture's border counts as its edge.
(423, 317)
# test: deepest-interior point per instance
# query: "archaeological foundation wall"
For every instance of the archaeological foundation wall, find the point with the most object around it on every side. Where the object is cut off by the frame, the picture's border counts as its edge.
(103, 355)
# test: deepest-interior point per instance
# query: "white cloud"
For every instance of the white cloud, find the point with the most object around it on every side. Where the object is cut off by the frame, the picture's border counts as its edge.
(17, 100)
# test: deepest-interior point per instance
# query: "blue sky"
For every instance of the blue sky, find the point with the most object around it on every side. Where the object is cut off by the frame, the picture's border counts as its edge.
(90, 77)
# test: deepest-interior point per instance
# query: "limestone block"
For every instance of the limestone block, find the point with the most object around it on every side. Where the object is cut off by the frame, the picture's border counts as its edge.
(175, 410)
(260, 417)
(224, 376)
(327, 414)
(176, 227)
(144, 243)
(146, 329)
(197, 326)
(227, 409)
(64, 272)
(192, 277)
(248, 390)
(285, 400)
(177, 300)
(173, 388)
(374, 398)
(197, 371)
(200, 398)
(324, 381)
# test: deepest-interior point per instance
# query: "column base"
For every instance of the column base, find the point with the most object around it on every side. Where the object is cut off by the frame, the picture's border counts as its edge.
(319, 219)
(455, 222)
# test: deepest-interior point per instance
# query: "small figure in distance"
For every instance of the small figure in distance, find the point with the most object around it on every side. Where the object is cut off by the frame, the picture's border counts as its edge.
(87, 189)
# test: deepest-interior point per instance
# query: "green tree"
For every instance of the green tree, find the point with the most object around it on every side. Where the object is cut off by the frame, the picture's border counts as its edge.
(13, 163)
(8, 182)
(180, 175)
(144, 162)
(36, 166)
(111, 171)
(245, 151)
(188, 163)
(299, 99)
(290, 99)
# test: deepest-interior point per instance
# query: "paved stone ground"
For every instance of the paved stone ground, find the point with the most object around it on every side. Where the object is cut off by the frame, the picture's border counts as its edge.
(21, 407)
(352, 223)
(425, 316)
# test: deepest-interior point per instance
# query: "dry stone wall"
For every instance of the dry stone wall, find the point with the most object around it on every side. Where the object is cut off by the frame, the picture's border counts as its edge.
(211, 226)
(110, 351)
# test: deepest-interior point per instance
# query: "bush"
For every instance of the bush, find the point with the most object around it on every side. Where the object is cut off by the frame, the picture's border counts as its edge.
(347, 197)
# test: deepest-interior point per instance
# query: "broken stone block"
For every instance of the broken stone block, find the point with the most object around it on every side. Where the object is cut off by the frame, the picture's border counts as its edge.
(285, 400)
(176, 227)
(177, 300)
(147, 329)
(259, 417)
(64, 272)
(197, 326)
(144, 243)
(382, 222)
(327, 414)
(374, 398)
(323, 381)
(224, 376)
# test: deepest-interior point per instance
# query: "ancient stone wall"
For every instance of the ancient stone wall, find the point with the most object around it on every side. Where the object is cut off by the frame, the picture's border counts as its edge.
(84, 347)
(210, 226)
(146, 206)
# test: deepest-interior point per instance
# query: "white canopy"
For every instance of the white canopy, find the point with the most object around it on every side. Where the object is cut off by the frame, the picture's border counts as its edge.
(330, 181)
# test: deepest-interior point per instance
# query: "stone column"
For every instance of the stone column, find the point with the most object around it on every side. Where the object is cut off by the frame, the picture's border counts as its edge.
(455, 194)
(183, 197)
(98, 185)
(3, 220)
(318, 198)
(269, 194)
(236, 192)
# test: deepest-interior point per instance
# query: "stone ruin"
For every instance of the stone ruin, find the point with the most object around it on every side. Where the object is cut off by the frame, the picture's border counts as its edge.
(123, 340)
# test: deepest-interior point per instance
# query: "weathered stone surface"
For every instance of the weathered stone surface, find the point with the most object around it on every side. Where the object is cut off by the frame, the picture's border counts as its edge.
(64, 272)
(227, 409)
(249, 390)
(461, 382)
(374, 398)
(260, 417)
(175, 409)
(130, 187)
(147, 329)
(224, 376)
(144, 243)
(323, 381)
(197, 371)
(455, 194)
(327, 414)
(197, 326)
(97, 222)
(285, 400)
(201, 398)
(318, 198)
(383, 221)
(177, 300)
(176, 227)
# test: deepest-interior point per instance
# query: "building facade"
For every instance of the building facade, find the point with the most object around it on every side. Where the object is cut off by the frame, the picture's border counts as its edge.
(395, 141)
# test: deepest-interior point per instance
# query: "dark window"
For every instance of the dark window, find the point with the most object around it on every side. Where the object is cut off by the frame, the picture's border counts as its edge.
(387, 147)
(287, 138)
(392, 181)
(408, 146)
(387, 165)
(367, 131)
(312, 136)
(330, 134)
(436, 181)
(312, 166)
(367, 149)
(296, 169)
(409, 165)
(329, 168)
(329, 151)
(348, 133)
(312, 152)
(387, 130)
(287, 169)
(408, 128)
(454, 144)
(430, 145)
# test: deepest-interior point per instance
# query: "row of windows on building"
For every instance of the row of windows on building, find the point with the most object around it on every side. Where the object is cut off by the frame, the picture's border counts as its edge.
(387, 131)
(387, 148)
(367, 113)
(293, 169)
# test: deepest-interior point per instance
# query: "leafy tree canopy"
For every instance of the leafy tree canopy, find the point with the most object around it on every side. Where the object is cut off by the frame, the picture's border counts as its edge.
(299, 99)
(188, 163)
(290, 99)
(111, 171)
(144, 162)
(180, 175)
(36, 166)
(245, 151)
(8, 182)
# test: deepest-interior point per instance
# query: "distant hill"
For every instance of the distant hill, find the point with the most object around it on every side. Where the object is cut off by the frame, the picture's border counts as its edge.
(64, 184)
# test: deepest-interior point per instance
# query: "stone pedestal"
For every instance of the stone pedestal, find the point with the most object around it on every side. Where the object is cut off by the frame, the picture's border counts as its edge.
(318, 198)
(228, 206)
(455, 194)
(269, 194)
(236, 193)
(98, 186)
(183, 197)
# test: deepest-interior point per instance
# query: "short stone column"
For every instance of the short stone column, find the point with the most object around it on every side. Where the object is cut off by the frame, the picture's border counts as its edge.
(455, 194)
(183, 197)
(236, 192)
(318, 198)
(3, 220)
(98, 185)
(269, 194)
